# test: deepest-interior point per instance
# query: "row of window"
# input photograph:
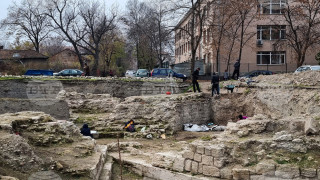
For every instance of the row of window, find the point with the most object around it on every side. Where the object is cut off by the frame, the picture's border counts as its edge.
(271, 32)
(271, 6)
(183, 48)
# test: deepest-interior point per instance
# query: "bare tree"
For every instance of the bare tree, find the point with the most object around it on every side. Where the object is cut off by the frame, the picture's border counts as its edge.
(136, 21)
(52, 46)
(96, 24)
(64, 17)
(303, 27)
(245, 14)
(29, 20)
(196, 20)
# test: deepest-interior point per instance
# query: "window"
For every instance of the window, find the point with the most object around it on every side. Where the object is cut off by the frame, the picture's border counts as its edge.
(271, 57)
(273, 32)
(271, 6)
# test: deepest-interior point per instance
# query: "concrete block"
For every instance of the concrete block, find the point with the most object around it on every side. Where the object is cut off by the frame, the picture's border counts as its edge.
(207, 160)
(188, 155)
(187, 165)
(287, 172)
(309, 173)
(194, 167)
(210, 171)
(197, 157)
(200, 150)
(240, 174)
(178, 164)
(265, 169)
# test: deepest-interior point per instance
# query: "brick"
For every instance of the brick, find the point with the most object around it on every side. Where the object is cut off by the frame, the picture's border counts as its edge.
(240, 174)
(217, 151)
(200, 150)
(207, 151)
(310, 172)
(194, 167)
(178, 164)
(266, 169)
(211, 171)
(207, 160)
(226, 173)
(188, 155)
(187, 165)
(197, 157)
(287, 172)
(200, 169)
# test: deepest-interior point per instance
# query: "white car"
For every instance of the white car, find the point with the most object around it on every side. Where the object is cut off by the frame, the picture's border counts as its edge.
(308, 68)
(130, 73)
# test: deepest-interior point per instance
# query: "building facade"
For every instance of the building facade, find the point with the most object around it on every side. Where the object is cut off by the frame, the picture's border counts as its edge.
(264, 43)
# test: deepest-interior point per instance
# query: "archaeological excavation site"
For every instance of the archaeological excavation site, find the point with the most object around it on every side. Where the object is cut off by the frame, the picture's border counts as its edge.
(41, 118)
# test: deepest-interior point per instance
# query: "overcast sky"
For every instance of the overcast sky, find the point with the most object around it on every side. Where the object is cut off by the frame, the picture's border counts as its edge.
(4, 4)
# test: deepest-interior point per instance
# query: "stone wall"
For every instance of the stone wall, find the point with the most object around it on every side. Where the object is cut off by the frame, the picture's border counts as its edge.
(57, 109)
(159, 114)
(121, 87)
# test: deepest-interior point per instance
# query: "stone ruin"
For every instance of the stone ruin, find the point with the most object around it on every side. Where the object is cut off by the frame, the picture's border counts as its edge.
(280, 140)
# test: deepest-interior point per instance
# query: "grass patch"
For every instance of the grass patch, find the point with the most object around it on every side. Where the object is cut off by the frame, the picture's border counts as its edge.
(310, 159)
(247, 91)
(206, 138)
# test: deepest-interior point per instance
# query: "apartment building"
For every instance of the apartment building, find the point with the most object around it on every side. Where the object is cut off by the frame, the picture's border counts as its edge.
(264, 48)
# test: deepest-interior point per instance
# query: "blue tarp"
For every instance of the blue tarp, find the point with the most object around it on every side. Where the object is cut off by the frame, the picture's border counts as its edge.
(39, 73)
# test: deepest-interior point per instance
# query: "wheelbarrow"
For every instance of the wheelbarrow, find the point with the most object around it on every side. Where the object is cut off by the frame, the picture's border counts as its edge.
(230, 88)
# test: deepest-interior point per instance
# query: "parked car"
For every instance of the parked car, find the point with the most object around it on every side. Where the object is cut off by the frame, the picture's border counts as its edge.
(69, 72)
(308, 68)
(163, 72)
(142, 73)
(130, 73)
(34, 72)
(257, 73)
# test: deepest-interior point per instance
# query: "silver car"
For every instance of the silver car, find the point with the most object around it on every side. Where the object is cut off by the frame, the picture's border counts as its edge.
(130, 73)
(308, 68)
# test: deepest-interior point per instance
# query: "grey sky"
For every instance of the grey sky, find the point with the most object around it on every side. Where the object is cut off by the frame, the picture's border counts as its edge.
(4, 4)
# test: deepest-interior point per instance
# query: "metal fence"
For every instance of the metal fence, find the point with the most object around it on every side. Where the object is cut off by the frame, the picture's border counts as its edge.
(248, 67)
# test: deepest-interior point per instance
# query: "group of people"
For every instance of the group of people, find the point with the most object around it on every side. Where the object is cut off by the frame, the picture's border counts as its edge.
(215, 78)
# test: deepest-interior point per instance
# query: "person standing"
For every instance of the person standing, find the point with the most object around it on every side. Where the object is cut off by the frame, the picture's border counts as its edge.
(86, 69)
(195, 77)
(226, 75)
(215, 84)
(236, 69)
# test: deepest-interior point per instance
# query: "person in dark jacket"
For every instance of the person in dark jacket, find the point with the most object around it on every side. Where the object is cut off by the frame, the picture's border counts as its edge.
(129, 126)
(195, 77)
(215, 84)
(236, 70)
(85, 130)
(86, 69)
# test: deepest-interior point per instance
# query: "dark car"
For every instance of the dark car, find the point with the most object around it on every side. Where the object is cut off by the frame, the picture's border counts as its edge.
(162, 72)
(257, 73)
(142, 73)
(34, 72)
(69, 72)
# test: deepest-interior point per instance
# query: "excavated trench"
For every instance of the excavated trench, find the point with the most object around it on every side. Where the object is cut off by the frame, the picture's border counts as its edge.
(279, 108)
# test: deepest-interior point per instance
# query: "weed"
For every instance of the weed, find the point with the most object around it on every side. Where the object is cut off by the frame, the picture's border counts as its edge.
(206, 138)
(247, 91)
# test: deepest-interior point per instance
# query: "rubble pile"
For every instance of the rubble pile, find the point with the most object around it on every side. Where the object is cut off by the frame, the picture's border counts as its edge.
(34, 141)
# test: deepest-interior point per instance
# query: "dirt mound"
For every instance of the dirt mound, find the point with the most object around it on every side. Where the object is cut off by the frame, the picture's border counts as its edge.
(307, 78)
